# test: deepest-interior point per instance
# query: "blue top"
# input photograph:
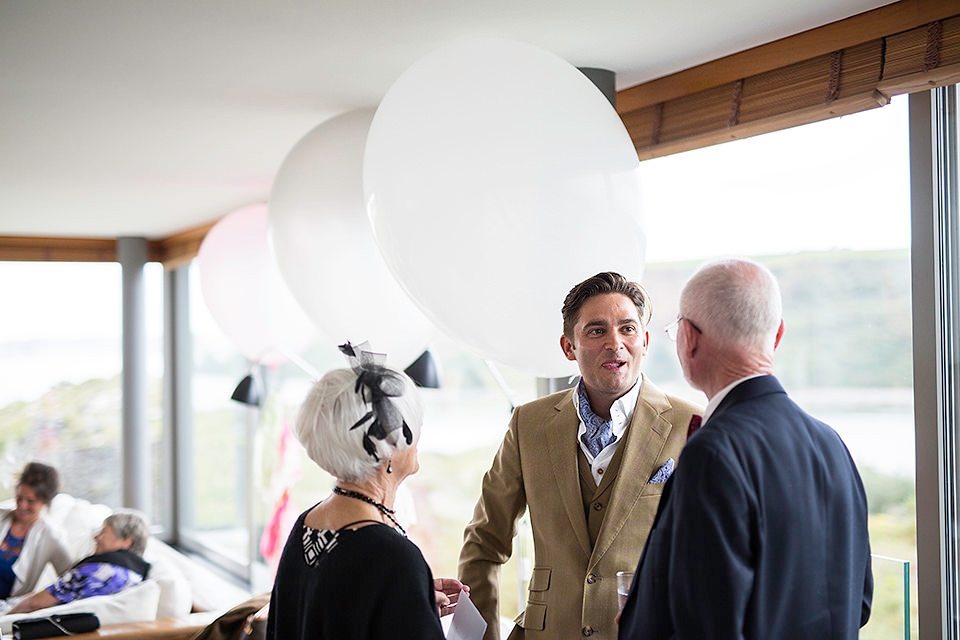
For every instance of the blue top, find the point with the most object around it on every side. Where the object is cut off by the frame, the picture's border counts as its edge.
(9, 552)
(99, 575)
(93, 579)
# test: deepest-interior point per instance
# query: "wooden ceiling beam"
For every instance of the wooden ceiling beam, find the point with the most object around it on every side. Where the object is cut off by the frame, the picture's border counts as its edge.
(173, 251)
(892, 18)
(51, 249)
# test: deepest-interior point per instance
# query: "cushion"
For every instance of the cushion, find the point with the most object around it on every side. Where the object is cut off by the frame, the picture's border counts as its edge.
(176, 595)
(209, 591)
(81, 522)
(134, 604)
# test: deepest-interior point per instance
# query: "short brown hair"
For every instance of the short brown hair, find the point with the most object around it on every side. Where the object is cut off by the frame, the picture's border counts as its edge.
(606, 282)
(42, 478)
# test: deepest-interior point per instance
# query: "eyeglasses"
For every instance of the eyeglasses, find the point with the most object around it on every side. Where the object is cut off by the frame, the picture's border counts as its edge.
(674, 327)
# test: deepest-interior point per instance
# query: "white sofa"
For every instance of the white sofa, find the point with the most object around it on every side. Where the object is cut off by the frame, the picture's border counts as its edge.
(175, 585)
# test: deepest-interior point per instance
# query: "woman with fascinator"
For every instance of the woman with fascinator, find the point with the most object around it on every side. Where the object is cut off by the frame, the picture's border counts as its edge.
(348, 570)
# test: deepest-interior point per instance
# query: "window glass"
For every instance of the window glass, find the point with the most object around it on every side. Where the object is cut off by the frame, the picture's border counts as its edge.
(60, 386)
(813, 203)
(213, 512)
(826, 207)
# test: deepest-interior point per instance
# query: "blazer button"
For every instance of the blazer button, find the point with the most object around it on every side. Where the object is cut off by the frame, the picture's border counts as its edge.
(587, 631)
(597, 506)
(592, 578)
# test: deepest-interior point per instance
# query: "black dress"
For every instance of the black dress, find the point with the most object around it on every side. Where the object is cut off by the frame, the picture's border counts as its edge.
(352, 584)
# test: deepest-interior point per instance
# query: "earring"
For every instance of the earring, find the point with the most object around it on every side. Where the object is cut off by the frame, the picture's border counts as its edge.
(389, 467)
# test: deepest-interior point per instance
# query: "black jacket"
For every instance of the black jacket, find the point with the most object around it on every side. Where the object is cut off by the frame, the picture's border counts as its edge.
(761, 531)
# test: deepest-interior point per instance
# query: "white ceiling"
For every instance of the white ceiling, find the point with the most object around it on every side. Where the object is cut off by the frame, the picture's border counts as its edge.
(146, 118)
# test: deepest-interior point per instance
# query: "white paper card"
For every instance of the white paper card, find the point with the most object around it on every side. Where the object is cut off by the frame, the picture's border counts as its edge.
(467, 622)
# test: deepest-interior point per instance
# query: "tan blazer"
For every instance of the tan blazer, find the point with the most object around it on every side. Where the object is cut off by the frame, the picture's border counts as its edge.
(573, 590)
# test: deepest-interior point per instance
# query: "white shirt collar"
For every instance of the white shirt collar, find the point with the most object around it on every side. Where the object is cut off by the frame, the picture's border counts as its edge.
(718, 398)
(621, 413)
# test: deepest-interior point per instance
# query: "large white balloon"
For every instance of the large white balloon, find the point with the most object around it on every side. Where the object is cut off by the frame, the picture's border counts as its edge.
(244, 292)
(497, 176)
(325, 249)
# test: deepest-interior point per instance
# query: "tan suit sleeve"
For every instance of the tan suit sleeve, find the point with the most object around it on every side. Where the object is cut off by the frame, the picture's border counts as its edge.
(488, 539)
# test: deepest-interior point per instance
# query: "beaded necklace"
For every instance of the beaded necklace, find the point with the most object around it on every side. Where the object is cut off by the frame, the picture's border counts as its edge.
(356, 495)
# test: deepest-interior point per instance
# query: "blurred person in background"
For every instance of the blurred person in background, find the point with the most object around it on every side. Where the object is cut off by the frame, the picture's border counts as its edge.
(117, 563)
(348, 570)
(28, 540)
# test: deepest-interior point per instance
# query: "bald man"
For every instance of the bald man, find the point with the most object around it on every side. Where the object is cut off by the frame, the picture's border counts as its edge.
(762, 529)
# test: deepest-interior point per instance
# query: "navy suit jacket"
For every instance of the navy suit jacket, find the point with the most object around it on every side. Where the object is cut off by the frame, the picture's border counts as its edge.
(760, 533)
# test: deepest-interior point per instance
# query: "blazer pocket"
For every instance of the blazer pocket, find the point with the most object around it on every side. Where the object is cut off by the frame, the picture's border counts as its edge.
(652, 491)
(533, 616)
(663, 473)
(540, 579)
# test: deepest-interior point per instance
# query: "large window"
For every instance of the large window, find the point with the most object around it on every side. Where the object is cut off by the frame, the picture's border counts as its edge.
(827, 207)
(60, 386)
(216, 443)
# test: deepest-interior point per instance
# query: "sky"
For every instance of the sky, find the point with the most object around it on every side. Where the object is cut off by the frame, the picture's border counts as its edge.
(839, 162)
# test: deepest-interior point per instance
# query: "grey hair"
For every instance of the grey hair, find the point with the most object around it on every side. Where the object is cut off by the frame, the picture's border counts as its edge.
(127, 523)
(329, 411)
(736, 299)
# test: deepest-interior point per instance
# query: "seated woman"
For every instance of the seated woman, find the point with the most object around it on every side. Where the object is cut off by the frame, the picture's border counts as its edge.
(115, 565)
(348, 570)
(28, 541)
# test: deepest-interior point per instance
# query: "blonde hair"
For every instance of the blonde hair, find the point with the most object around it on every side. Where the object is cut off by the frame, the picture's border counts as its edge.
(333, 406)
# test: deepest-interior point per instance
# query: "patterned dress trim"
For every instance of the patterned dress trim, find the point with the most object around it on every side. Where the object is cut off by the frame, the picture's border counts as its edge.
(317, 542)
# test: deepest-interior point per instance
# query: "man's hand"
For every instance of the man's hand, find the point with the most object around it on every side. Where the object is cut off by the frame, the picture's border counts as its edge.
(447, 592)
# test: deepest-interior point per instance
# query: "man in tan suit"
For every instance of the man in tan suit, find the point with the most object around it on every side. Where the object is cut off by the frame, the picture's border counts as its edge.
(589, 463)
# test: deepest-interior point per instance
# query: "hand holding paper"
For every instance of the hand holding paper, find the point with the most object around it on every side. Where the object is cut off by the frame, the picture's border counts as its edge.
(447, 592)
(467, 622)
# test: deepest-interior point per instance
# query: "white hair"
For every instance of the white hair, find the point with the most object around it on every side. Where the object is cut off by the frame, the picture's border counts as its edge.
(129, 523)
(329, 411)
(736, 299)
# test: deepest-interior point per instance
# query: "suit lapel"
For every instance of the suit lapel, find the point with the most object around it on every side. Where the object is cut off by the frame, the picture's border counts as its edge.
(561, 437)
(645, 439)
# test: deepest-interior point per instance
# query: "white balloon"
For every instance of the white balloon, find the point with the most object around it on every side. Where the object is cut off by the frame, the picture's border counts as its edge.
(497, 176)
(325, 249)
(243, 290)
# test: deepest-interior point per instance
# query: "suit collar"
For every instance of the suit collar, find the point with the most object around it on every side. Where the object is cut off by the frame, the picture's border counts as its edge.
(747, 389)
(720, 395)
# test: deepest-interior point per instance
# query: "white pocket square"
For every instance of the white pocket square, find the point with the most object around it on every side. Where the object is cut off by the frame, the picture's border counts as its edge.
(663, 473)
